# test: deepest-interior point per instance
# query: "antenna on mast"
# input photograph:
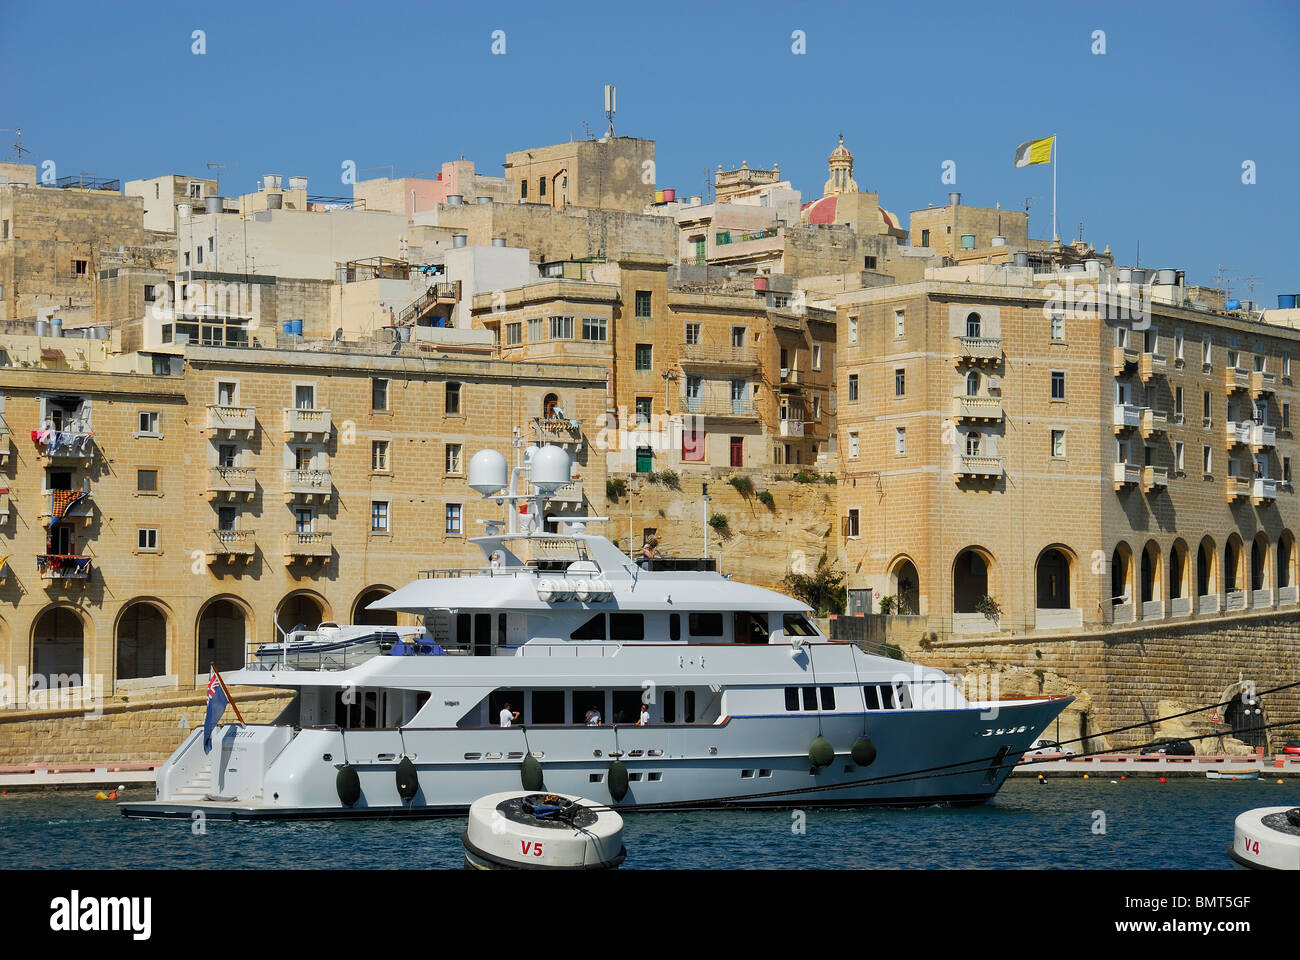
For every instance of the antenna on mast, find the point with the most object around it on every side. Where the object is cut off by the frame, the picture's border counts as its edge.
(611, 107)
(19, 149)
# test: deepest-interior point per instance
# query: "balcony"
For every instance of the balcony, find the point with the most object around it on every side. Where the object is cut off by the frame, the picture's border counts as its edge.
(64, 567)
(67, 505)
(711, 355)
(307, 548)
(791, 376)
(977, 408)
(230, 421)
(1153, 422)
(792, 428)
(308, 423)
(1235, 378)
(308, 484)
(1152, 365)
(982, 350)
(1263, 490)
(1262, 435)
(1123, 358)
(229, 482)
(1154, 478)
(557, 430)
(972, 467)
(1262, 382)
(64, 445)
(719, 407)
(1239, 488)
(4, 441)
(1126, 416)
(1236, 433)
(1127, 474)
(232, 545)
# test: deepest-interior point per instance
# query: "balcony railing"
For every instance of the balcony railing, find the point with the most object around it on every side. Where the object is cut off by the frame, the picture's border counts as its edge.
(711, 355)
(1127, 474)
(1263, 490)
(1235, 378)
(308, 547)
(231, 419)
(1236, 433)
(1262, 382)
(557, 430)
(54, 566)
(308, 483)
(975, 466)
(792, 428)
(1127, 415)
(977, 408)
(1239, 488)
(228, 544)
(229, 481)
(791, 376)
(1155, 478)
(309, 422)
(1153, 421)
(1263, 435)
(978, 349)
(1152, 365)
(1122, 358)
(718, 407)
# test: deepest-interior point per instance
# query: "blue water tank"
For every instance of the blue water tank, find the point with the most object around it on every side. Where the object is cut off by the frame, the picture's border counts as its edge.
(1286, 301)
(1233, 305)
(288, 326)
(296, 327)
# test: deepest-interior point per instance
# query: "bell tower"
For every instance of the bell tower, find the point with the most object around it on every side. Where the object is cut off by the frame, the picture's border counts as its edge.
(841, 168)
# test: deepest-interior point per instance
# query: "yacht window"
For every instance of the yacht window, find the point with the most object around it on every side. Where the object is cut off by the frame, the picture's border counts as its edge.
(689, 707)
(463, 635)
(626, 626)
(887, 697)
(584, 700)
(792, 698)
(797, 625)
(904, 697)
(482, 634)
(810, 698)
(421, 699)
(501, 629)
(370, 709)
(497, 700)
(872, 697)
(670, 706)
(750, 627)
(548, 706)
(706, 624)
(627, 706)
(828, 698)
(674, 626)
(593, 629)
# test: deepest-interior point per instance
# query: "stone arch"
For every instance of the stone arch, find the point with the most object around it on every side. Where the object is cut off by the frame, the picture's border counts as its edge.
(972, 578)
(59, 642)
(141, 639)
(974, 325)
(549, 403)
(1053, 578)
(301, 608)
(1259, 566)
(1232, 572)
(1206, 580)
(1178, 582)
(1245, 715)
(1121, 574)
(905, 582)
(224, 632)
(1286, 560)
(1150, 580)
(973, 383)
(360, 614)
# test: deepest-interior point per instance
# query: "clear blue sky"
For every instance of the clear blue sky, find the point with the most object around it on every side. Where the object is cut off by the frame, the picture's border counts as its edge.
(1153, 133)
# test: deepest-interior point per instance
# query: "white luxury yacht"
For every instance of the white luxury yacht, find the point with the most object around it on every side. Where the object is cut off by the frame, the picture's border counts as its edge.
(748, 704)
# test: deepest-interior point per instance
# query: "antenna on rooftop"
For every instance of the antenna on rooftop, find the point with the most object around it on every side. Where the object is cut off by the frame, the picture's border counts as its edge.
(19, 149)
(214, 165)
(611, 106)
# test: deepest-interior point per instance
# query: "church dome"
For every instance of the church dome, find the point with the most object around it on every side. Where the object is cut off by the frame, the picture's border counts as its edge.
(841, 152)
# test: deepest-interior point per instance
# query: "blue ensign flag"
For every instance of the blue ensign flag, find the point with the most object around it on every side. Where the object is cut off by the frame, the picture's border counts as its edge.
(217, 701)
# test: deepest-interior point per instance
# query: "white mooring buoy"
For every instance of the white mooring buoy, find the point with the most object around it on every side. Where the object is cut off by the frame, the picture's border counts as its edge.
(1267, 838)
(542, 831)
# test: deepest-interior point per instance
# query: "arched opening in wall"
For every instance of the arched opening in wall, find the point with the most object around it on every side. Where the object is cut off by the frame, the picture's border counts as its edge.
(973, 325)
(300, 610)
(223, 632)
(379, 618)
(1178, 570)
(1150, 572)
(141, 641)
(907, 587)
(970, 580)
(974, 444)
(1286, 576)
(58, 644)
(1245, 715)
(973, 383)
(550, 404)
(1053, 577)
(1121, 575)
(1232, 580)
(1205, 583)
(1259, 562)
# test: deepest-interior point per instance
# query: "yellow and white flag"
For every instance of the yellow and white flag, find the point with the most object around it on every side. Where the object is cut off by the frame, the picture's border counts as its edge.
(1034, 151)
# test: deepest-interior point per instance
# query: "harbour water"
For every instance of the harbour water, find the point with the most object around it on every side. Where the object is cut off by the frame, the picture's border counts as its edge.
(1128, 824)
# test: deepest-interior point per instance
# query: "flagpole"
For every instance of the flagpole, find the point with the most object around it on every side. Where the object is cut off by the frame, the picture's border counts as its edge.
(1056, 237)
(221, 680)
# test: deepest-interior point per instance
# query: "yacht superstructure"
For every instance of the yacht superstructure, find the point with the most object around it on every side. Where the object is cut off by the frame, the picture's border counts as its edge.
(537, 669)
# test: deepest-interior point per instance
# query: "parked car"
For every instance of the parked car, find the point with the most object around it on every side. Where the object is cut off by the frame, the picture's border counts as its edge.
(1171, 747)
(1292, 747)
(1044, 747)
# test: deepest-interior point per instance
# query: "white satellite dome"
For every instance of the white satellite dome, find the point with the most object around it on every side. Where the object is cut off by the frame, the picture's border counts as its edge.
(551, 469)
(487, 472)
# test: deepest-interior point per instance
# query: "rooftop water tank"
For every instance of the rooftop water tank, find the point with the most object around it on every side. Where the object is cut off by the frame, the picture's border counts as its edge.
(1022, 259)
(212, 204)
(482, 199)
(271, 181)
(1139, 276)
(954, 199)
(670, 194)
(498, 241)
(297, 183)
(459, 239)
(1232, 305)
(56, 326)
(1167, 277)
(184, 210)
(42, 328)
(1286, 301)
(1125, 274)
(999, 241)
(455, 199)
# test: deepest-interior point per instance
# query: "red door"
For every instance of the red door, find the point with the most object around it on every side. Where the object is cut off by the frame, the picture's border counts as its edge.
(737, 451)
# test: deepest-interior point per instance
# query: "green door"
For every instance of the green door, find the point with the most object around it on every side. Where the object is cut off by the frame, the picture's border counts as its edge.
(644, 459)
